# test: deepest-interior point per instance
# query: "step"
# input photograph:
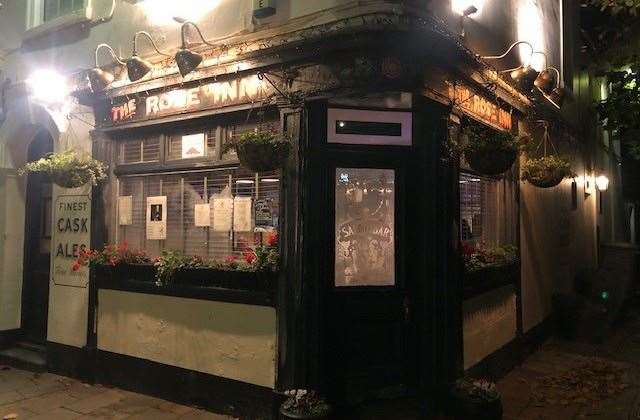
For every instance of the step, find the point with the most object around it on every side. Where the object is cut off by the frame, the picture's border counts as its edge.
(28, 357)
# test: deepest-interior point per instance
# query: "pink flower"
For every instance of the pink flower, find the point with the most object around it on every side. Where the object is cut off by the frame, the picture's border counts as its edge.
(272, 239)
(75, 266)
(249, 256)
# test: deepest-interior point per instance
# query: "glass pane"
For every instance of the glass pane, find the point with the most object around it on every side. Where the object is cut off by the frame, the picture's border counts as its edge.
(365, 227)
(50, 9)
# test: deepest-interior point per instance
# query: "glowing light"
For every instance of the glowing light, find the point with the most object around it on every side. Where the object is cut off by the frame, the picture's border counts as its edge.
(459, 6)
(270, 180)
(162, 12)
(602, 182)
(531, 29)
(48, 87)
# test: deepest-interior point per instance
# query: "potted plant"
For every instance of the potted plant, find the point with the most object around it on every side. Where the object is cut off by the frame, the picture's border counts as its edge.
(261, 151)
(117, 260)
(304, 404)
(68, 169)
(546, 171)
(488, 151)
(475, 399)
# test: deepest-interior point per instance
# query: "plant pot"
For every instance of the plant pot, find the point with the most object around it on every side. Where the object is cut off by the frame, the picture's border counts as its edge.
(136, 272)
(549, 180)
(285, 414)
(226, 279)
(491, 162)
(70, 179)
(260, 157)
(467, 407)
(490, 278)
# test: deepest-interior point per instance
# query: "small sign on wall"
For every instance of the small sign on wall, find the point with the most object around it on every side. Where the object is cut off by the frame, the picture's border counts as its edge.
(202, 215)
(157, 217)
(242, 209)
(222, 214)
(71, 235)
(193, 146)
(125, 210)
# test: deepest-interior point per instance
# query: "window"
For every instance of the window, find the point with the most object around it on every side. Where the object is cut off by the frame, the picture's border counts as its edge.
(57, 8)
(488, 214)
(364, 227)
(213, 209)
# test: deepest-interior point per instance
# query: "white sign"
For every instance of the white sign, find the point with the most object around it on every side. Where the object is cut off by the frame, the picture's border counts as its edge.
(71, 235)
(242, 210)
(157, 217)
(193, 146)
(202, 215)
(125, 210)
(222, 214)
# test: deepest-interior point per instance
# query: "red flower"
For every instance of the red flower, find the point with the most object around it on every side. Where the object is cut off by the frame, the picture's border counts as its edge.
(75, 266)
(122, 247)
(272, 239)
(229, 259)
(113, 261)
(249, 256)
(468, 250)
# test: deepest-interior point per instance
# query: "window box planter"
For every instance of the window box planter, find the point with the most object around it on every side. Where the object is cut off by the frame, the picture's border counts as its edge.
(484, 280)
(226, 279)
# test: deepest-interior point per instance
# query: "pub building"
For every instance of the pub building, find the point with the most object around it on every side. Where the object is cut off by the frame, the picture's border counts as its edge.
(370, 209)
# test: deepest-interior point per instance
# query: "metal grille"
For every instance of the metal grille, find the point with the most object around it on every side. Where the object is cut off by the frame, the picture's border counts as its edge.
(488, 210)
(183, 192)
(139, 150)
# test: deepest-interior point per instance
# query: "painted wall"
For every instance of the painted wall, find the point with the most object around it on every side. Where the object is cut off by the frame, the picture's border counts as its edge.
(235, 341)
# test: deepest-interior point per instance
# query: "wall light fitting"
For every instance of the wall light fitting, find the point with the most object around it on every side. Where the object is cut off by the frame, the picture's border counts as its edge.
(137, 68)
(186, 59)
(99, 78)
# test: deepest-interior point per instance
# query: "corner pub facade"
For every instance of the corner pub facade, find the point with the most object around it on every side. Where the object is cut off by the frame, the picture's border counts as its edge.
(370, 300)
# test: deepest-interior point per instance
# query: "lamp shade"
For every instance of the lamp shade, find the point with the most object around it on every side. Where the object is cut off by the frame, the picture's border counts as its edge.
(137, 68)
(99, 79)
(525, 77)
(187, 61)
(545, 81)
(602, 182)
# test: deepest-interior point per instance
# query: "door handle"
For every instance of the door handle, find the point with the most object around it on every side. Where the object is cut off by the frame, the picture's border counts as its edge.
(406, 305)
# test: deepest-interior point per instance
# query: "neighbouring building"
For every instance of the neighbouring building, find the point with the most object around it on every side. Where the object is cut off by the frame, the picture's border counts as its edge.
(372, 209)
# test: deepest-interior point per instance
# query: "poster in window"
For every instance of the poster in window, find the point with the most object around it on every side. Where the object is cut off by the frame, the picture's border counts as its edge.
(193, 146)
(202, 215)
(263, 210)
(157, 218)
(242, 208)
(222, 213)
(364, 227)
(125, 210)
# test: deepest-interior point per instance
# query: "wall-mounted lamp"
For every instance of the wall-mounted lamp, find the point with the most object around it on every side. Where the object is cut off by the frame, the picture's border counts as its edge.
(468, 11)
(186, 59)
(98, 78)
(545, 84)
(524, 75)
(137, 68)
(602, 182)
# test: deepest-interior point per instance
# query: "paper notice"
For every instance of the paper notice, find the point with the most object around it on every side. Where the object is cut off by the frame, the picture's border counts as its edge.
(157, 217)
(202, 215)
(222, 214)
(242, 210)
(193, 146)
(125, 210)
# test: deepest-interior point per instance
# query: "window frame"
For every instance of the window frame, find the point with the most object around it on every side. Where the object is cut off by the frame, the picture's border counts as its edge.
(37, 25)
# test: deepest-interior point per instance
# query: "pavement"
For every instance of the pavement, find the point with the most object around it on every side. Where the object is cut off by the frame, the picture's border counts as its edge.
(580, 379)
(44, 396)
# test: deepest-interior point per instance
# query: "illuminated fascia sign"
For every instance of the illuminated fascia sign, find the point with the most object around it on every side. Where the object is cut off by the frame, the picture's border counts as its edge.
(212, 95)
(479, 108)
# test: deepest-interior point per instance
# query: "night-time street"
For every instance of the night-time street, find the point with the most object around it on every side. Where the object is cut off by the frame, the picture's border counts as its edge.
(320, 209)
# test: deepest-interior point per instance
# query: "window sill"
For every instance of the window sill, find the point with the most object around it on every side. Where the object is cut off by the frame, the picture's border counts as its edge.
(204, 284)
(61, 23)
(489, 279)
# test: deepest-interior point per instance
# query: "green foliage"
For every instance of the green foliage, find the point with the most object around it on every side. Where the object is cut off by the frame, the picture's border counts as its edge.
(260, 150)
(110, 255)
(478, 389)
(483, 139)
(68, 169)
(616, 7)
(620, 112)
(543, 169)
(172, 261)
(302, 402)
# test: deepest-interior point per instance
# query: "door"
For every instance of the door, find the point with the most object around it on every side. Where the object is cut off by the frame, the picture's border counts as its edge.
(370, 335)
(37, 248)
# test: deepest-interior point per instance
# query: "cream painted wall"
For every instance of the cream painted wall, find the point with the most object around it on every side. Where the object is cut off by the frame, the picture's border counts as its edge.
(235, 341)
(489, 322)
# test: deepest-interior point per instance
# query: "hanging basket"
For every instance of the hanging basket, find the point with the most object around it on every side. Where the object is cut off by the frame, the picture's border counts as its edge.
(546, 172)
(490, 162)
(488, 151)
(73, 179)
(261, 151)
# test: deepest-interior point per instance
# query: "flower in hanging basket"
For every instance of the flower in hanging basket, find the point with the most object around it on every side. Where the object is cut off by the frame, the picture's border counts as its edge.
(304, 404)
(260, 150)
(546, 171)
(489, 152)
(68, 170)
